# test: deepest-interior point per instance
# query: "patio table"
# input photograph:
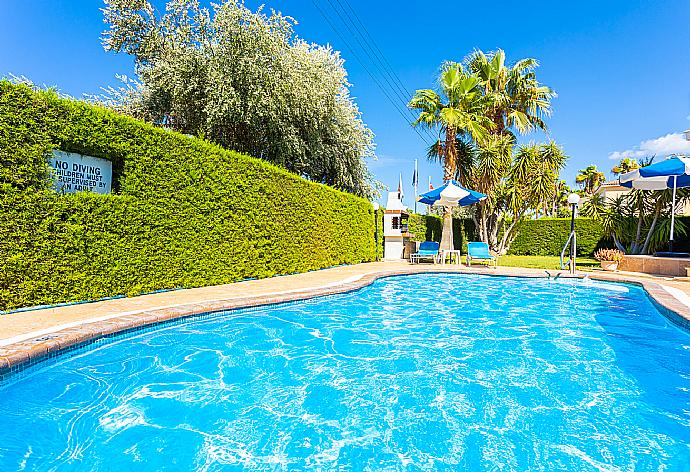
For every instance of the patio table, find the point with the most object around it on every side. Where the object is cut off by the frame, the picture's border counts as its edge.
(452, 253)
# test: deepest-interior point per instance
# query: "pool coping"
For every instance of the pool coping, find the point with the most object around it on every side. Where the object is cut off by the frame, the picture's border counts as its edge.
(39, 346)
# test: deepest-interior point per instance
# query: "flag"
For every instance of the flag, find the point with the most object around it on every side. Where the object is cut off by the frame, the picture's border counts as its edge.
(401, 195)
(431, 187)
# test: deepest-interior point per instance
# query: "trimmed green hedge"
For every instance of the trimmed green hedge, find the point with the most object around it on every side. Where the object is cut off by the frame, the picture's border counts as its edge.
(430, 228)
(547, 236)
(543, 237)
(425, 227)
(183, 213)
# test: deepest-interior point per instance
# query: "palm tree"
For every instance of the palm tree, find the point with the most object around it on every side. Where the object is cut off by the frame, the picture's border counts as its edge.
(531, 185)
(639, 221)
(516, 101)
(456, 112)
(560, 200)
(625, 165)
(590, 179)
(517, 98)
(594, 206)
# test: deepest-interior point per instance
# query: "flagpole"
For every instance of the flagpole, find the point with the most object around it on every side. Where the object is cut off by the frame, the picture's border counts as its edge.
(401, 193)
(416, 185)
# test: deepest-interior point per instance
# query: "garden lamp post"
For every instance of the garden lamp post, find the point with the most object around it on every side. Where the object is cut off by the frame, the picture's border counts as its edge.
(376, 228)
(573, 200)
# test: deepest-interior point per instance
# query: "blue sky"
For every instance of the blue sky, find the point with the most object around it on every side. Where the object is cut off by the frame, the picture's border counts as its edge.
(621, 68)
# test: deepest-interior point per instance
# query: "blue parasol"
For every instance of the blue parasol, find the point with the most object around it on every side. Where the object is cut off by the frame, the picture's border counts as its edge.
(451, 194)
(672, 173)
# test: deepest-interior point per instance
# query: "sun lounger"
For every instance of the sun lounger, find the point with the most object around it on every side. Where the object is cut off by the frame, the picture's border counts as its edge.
(427, 250)
(479, 251)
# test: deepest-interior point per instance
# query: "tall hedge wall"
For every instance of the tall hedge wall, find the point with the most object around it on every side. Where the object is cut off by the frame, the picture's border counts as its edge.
(547, 236)
(183, 212)
(430, 227)
(542, 237)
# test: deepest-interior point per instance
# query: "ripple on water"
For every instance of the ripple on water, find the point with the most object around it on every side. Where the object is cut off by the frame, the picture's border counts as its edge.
(422, 372)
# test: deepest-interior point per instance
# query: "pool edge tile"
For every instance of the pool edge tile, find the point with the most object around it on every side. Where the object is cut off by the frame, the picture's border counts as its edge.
(15, 357)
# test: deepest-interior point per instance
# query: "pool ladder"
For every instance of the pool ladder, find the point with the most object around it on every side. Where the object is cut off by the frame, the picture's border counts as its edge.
(572, 239)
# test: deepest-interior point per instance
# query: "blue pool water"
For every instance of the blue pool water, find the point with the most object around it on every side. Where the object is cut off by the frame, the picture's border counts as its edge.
(425, 372)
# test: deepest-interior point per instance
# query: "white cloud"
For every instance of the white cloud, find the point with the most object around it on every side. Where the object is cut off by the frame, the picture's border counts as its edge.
(688, 117)
(673, 143)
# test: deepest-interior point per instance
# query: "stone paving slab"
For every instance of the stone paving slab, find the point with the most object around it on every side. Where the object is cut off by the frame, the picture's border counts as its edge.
(28, 337)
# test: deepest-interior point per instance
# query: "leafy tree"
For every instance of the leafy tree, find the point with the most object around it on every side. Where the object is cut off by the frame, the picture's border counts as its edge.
(242, 79)
(590, 179)
(624, 166)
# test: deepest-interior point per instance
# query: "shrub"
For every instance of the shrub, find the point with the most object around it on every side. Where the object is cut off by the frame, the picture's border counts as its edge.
(183, 213)
(542, 237)
(612, 255)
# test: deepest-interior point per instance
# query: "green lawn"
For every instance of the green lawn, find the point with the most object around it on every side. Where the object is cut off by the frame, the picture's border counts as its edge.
(542, 262)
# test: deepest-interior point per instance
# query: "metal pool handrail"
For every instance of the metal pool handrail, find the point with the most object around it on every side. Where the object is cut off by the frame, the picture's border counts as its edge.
(573, 254)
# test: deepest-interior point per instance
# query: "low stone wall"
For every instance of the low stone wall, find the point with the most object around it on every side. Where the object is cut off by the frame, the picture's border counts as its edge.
(655, 265)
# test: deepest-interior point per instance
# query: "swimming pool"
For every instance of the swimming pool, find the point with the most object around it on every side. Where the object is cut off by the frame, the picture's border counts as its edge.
(425, 372)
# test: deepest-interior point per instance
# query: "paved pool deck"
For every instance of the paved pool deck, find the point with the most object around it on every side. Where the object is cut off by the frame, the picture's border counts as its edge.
(30, 336)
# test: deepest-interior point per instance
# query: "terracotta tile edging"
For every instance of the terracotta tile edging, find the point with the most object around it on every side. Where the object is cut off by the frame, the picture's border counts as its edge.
(18, 356)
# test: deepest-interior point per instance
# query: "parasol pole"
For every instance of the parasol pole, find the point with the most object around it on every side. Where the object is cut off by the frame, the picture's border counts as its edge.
(673, 212)
(452, 245)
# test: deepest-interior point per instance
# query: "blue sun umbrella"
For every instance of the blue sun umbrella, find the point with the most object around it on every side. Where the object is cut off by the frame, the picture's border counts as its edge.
(451, 194)
(672, 173)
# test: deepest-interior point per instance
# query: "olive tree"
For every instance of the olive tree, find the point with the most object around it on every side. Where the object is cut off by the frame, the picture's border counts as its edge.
(244, 80)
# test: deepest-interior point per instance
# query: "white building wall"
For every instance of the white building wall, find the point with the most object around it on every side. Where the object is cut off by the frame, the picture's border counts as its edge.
(393, 248)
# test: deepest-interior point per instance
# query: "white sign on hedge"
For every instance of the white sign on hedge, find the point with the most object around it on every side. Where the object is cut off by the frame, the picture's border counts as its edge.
(76, 173)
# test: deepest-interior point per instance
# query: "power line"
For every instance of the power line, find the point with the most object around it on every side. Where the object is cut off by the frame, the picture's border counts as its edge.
(383, 89)
(378, 54)
(384, 68)
(362, 45)
(347, 44)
